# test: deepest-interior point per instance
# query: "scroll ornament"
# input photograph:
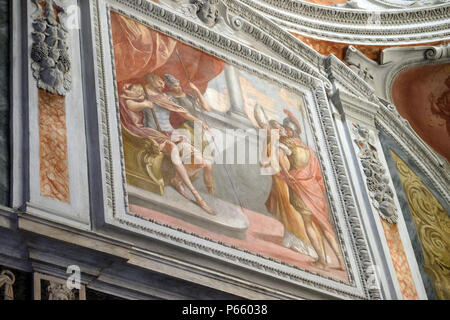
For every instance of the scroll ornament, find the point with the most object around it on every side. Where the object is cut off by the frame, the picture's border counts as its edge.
(51, 62)
(377, 179)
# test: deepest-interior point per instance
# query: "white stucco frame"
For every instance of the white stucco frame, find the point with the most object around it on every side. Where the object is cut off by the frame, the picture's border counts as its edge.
(114, 200)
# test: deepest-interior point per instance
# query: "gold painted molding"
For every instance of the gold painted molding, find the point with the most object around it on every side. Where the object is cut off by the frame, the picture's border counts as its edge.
(432, 225)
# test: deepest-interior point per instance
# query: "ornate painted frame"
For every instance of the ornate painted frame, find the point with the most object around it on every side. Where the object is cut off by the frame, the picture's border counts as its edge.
(116, 215)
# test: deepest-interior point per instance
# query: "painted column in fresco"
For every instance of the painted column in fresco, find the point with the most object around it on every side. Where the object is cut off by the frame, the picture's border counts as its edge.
(236, 99)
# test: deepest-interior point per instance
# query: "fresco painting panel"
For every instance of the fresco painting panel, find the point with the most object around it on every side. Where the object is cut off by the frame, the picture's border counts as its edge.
(168, 90)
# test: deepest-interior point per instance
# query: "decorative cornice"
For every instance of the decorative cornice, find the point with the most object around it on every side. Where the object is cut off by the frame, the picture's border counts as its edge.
(353, 222)
(245, 21)
(349, 79)
(398, 4)
(416, 25)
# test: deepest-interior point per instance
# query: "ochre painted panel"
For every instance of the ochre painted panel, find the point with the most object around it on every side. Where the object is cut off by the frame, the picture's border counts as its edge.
(54, 170)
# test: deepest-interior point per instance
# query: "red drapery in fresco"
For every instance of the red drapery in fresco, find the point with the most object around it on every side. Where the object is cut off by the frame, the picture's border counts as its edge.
(140, 50)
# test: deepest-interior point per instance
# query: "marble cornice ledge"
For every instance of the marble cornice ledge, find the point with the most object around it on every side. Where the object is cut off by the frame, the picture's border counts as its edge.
(207, 277)
(107, 253)
(359, 109)
(388, 27)
(273, 29)
(82, 238)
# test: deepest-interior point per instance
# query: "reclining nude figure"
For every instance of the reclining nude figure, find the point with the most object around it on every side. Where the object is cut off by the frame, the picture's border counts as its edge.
(146, 111)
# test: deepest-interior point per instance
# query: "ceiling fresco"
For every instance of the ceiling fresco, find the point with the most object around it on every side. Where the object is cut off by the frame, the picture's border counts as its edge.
(422, 96)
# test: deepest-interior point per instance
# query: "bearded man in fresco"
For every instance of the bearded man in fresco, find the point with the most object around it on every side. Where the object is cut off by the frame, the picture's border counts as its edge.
(300, 170)
(192, 103)
(149, 113)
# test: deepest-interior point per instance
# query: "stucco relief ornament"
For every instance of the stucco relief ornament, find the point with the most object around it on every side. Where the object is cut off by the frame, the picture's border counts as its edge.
(51, 62)
(411, 3)
(211, 13)
(7, 280)
(57, 291)
(377, 179)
